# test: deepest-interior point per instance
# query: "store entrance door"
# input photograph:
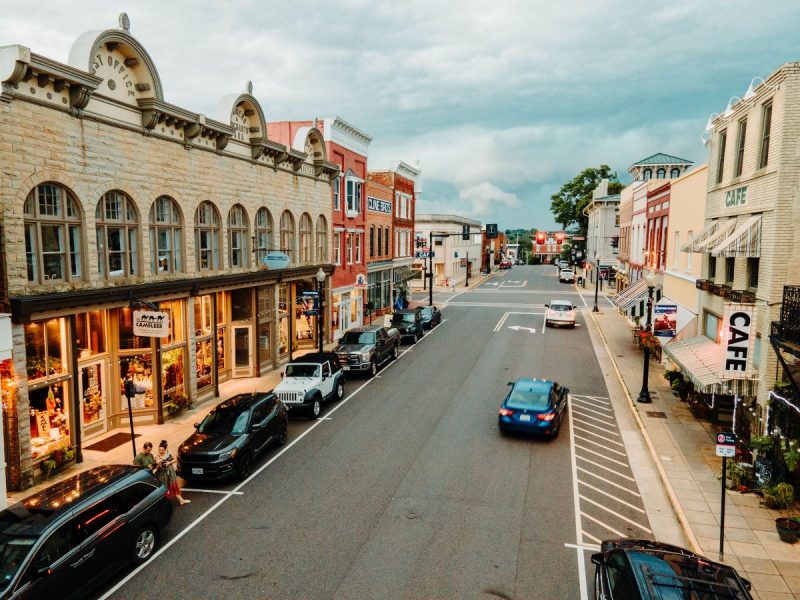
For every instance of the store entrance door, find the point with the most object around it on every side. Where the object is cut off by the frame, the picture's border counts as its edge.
(93, 392)
(242, 350)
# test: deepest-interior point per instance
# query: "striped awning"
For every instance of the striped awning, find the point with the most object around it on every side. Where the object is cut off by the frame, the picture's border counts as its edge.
(744, 241)
(700, 360)
(405, 274)
(722, 231)
(704, 235)
(631, 291)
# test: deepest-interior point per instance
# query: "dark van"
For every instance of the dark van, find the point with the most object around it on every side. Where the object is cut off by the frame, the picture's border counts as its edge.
(66, 540)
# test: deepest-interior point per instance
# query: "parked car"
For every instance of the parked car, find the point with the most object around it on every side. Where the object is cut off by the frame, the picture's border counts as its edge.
(67, 539)
(364, 349)
(559, 312)
(566, 275)
(645, 570)
(431, 317)
(229, 438)
(505, 264)
(533, 406)
(408, 323)
(310, 380)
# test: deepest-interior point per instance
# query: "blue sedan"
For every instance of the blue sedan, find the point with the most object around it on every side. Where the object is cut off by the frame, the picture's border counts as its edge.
(533, 406)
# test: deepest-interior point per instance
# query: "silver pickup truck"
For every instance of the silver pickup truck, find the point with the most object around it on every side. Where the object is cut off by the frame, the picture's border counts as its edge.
(364, 349)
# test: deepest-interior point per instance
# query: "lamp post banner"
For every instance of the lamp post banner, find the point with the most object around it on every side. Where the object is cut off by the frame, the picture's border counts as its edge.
(738, 338)
(665, 315)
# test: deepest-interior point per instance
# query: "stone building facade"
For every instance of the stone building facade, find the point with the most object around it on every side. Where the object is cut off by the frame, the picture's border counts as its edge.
(112, 199)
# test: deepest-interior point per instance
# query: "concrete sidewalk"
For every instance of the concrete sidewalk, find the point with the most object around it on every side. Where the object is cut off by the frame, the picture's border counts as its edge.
(683, 449)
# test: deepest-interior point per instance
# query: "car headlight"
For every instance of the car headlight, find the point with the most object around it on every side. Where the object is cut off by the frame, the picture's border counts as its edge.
(364, 356)
(228, 454)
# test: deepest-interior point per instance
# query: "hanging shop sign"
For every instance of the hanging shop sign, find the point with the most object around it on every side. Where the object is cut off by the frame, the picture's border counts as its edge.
(361, 281)
(150, 323)
(665, 319)
(738, 336)
(276, 260)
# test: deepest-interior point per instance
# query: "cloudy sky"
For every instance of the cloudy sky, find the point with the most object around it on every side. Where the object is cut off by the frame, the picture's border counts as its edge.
(501, 102)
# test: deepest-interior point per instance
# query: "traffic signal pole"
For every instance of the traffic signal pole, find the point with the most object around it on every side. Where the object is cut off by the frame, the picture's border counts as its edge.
(430, 269)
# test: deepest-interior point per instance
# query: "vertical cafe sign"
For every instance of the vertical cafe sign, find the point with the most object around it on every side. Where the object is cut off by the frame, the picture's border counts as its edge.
(739, 326)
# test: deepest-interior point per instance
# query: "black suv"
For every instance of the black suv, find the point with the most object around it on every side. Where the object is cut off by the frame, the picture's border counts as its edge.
(632, 569)
(66, 540)
(409, 323)
(431, 317)
(232, 434)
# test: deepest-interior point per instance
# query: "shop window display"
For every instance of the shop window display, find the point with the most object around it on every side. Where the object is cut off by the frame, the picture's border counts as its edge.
(221, 345)
(90, 333)
(202, 315)
(242, 304)
(128, 341)
(176, 328)
(92, 388)
(139, 367)
(172, 377)
(45, 352)
(203, 363)
(49, 418)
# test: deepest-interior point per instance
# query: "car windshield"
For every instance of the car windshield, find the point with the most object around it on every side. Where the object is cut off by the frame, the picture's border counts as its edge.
(14, 549)
(225, 422)
(301, 370)
(558, 307)
(358, 337)
(403, 318)
(524, 398)
(427, 312)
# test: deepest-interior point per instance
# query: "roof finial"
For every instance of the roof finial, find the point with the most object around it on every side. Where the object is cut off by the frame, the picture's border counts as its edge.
(249, 87)
(124, 22)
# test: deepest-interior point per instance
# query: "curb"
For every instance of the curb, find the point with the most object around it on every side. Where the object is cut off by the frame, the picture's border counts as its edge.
(673, 499)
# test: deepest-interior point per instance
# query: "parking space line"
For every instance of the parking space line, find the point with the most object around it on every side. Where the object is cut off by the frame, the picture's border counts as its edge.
(594, 412)
(585, 547)
(583, 588)
(622, 487)
(608, 431)
(225, 492)
(599, 466)
(599, 491)
(604, 526)
(610, 441)
(616, 514)
(613, 460)
(582, 416)
(591, 537)
(592, 404)
(580, 437)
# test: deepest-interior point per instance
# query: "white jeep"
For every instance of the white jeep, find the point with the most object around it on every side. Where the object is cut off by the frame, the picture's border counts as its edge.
(310, 380)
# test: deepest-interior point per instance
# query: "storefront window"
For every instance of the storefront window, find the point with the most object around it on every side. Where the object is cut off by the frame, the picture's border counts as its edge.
(221, 346)
(128, 341)
(264, 335)
(242, 304)
(172, 376)
(90, 333)
(49, 418)
(265, 303)
(202, 315)
(203, 363)
(45, 349)
(139, 367)
(712, 327)
(176, 327)
(284, 345)
(93, 393)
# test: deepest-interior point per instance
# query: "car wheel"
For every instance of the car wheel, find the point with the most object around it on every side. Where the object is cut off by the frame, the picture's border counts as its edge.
(395, 352)
(244, 466)
(144, 544)
(572, 325)
(283, 434)
(339, 390)
(373, 369)
(315, 409)
(417, 337)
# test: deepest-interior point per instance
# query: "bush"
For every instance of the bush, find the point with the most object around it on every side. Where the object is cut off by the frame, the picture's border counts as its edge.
(761, 443)
(778, 496)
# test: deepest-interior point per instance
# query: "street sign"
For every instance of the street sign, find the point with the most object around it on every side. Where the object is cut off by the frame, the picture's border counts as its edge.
(726, 444)
(422, 255)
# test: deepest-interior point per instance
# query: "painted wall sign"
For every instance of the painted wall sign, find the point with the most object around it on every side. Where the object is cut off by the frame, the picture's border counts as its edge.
(150, 323)
(736, 197)
(361, 281)
(739, 338)
(377, 205)
(276, 260)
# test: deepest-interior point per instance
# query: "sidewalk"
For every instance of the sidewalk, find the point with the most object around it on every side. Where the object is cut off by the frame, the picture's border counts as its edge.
(683, 449)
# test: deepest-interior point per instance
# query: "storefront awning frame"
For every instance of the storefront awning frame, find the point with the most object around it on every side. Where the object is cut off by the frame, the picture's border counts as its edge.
(723, 230)
(745, 241)
(630, 291)
(704, 235)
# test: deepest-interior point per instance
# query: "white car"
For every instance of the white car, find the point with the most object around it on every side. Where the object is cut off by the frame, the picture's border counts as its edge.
(566, 275)
(559, 312)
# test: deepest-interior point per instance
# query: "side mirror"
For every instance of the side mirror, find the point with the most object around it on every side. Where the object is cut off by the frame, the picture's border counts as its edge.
(597, 559)
(510, 383)
(283, 374)
(547, 306)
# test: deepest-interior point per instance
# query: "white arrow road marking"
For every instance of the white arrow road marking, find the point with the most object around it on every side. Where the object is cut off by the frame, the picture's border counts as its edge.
(518, 327)
(493, 283)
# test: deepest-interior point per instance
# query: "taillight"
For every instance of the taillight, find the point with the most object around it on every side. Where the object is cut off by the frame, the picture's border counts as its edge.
(505, 412)
(546, 416)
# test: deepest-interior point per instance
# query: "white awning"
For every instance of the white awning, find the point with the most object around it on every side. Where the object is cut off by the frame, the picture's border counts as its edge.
(723, 230)
(745, 241)
(630, 291)
(700, 360)
(691, 245)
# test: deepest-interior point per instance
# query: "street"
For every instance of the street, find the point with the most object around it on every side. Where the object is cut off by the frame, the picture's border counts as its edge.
(406, 489)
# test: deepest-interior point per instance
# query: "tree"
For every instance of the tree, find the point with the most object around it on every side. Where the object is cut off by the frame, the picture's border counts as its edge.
(568, 204)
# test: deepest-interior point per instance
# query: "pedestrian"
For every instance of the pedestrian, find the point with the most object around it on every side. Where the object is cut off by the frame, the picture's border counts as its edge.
(165, 471)
(145, 458)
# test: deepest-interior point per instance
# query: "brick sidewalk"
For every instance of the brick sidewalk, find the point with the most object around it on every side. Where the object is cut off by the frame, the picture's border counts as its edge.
(684, 447)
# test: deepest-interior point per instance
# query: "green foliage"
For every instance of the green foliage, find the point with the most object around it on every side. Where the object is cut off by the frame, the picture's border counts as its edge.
(792, 458)
(762, 443)
(567, 205)
(671, 375)
(778, 496)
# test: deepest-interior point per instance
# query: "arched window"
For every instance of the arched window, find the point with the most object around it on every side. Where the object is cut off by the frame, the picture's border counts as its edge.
(305, 238)
(264, 241)
(322, 239)
(166, 236)
(206, 237)
(661, 174)
(287, 232)
(648, 174)
(238, 236)
(674, 173)
(117, 236)
(52, 234)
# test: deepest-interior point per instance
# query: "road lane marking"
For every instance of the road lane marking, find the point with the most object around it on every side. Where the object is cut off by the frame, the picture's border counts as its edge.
(613, 460)
(614, 498)
(518, 327)
(226, 492)
(584, 594)
(601, 429)
(609, 440)
(599, 466)
(604, 526)
(594, 412)
(622, 487)
(582, 416)
(475, 303)
(505, 316)
(594, 408)
(594, 405)
(544, 323)
(603, 446)
(616, 514)
(585, 547)
(591, 537)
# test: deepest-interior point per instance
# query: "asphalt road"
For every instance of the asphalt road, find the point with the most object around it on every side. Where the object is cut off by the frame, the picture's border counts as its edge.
(406, 489)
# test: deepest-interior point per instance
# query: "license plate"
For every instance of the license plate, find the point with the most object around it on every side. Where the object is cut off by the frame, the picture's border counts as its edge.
(524, 417)
(197, 470)
(345, 368)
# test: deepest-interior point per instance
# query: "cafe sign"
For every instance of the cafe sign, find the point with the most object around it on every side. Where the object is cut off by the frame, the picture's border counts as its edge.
(738, 336)
(377, 205)
(736, 197)
(150, 323)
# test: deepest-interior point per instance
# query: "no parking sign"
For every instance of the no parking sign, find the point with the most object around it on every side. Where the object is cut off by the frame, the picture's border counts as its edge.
(726, 444)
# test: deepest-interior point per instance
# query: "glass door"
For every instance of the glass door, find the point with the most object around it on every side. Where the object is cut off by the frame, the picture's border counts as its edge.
(93, 399)
(242, 350)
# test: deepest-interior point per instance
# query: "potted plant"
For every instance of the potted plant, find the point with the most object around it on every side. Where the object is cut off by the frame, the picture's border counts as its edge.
(762, 444)
(792, 457)
(780, 495)
(57, 459)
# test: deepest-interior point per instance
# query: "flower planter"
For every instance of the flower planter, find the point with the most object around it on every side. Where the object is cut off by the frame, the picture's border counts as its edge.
(724, 291)
(702, 284)
(788, 529)
(742, 296)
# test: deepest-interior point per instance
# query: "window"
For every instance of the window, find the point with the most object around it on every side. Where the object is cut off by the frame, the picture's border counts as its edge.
(60, 543)
(689, 240)
(117, 236)
(166, 228)
(647, 174)
(287, 232)
(661, 174)
(676, 249)
(305, 238)
(674, 173)
(322, 239)
(206, 237)
(353, 187)
(238, 234)
(380, 241)
(740, 137)
(757, 352)
(730, 268)
(766, 125)
(52, 234)
(386, 242)
(723, 138)
(712, 267)
(357, 247)
(337, 254)
(372, 242)
(264, 242)
(348, 248)
(753, 265)
(711, 327)
(337, 186)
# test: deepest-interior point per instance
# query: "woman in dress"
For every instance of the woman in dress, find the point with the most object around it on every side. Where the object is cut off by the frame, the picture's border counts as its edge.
(166, 473)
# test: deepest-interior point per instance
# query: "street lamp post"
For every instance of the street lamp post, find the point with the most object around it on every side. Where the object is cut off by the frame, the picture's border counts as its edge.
(320, 305)
(467, 283)
(644, 395)
(596, 281)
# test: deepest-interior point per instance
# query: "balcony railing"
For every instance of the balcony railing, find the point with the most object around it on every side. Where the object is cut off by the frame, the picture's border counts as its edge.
(702, 284)
(742, 296)
(790, 315)
(724, 290)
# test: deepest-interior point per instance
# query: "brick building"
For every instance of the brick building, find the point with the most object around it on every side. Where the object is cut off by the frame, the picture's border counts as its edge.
(379, 246)
(113, 199)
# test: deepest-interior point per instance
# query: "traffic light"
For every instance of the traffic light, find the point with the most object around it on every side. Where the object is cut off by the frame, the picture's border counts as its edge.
(615, 241)
(421, 242)
(560, 237)
(541, 237)
(491, 231)
(465, 233)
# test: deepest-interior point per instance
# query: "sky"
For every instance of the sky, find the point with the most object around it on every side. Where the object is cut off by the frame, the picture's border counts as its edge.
(501, 102)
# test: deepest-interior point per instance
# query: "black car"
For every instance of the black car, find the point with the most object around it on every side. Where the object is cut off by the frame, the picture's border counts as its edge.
(408, 323)
(431, 317)
(632, 569)
(66, 540)
(232, 434)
